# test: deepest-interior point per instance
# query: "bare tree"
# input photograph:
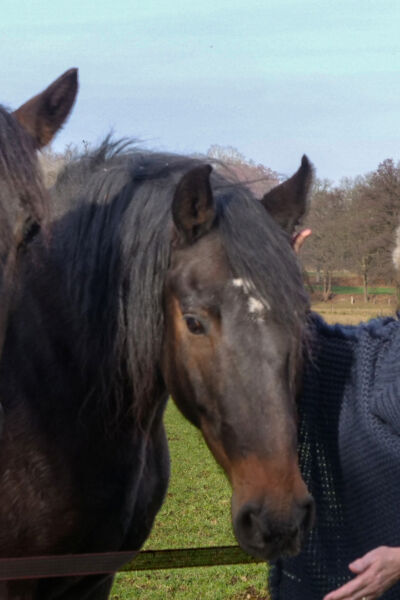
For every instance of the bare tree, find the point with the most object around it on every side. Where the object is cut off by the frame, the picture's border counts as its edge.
(327, 248)
(375, 216)
(51, 164)
(354, 226)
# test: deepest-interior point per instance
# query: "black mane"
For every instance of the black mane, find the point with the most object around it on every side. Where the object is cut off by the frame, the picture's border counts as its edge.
(113, 205)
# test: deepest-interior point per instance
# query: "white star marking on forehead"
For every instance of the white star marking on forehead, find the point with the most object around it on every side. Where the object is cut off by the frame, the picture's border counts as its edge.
(255, 306)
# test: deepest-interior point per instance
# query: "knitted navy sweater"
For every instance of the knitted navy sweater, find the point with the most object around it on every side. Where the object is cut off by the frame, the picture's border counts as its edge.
(349, 455)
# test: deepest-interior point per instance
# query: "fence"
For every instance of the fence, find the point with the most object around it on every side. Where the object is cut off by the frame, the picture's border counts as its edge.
(109, 562)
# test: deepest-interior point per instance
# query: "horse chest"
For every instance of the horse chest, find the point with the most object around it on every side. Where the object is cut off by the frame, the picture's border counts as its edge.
(37, 509)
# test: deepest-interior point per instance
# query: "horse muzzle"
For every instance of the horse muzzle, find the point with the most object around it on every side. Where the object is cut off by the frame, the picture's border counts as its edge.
(270, 535)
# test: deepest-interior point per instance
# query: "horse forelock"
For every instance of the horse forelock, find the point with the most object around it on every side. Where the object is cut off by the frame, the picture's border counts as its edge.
(260, 255)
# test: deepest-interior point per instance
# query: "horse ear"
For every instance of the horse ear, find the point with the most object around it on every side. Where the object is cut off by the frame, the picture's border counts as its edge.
(288, 202)
(44, 114)
(193, 209)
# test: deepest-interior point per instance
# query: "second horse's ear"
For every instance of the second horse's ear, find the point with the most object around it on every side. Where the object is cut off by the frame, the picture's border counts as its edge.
(288, 202)
(44, 114)
(193, 209)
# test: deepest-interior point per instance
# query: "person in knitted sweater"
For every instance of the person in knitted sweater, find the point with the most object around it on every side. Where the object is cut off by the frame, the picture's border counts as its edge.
(349, 454)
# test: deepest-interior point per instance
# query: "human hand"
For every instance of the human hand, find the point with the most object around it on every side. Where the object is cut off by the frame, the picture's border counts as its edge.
(375, 573)
(299, 238)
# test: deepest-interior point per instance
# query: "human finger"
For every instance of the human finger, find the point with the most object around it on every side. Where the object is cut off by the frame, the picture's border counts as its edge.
(299, 239)
(356, 589)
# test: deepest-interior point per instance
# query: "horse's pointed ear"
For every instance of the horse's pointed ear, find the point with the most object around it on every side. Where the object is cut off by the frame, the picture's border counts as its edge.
(193, 209)
(288, 202)
(44, 114)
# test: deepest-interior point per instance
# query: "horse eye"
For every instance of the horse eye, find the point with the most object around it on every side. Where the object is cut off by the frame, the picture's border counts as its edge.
(194, 325)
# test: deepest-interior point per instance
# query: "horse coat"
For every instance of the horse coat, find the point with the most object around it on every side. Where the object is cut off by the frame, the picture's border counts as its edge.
(349, 421)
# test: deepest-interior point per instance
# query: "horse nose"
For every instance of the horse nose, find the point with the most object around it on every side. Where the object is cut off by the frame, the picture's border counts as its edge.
(263, 534)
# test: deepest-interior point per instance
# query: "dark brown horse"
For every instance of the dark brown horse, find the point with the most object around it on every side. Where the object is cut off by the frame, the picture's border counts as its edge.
(23, 200)
(158, 277)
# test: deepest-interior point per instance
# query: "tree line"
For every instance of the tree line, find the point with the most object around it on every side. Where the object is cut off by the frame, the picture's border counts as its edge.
(354, 225)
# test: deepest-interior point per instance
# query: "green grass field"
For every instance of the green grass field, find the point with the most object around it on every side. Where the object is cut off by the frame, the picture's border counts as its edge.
(358, 290)
(196, 514)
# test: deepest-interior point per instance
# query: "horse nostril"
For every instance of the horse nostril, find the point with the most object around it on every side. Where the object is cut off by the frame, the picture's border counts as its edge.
(246, 521)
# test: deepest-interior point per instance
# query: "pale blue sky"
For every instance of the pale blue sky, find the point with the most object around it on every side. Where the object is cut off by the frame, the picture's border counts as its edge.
(275, 78)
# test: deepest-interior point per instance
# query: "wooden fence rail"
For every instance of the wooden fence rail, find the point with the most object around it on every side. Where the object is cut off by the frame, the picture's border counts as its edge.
(109, 562)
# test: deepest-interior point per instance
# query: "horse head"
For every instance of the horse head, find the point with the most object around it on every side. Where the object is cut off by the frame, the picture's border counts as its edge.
(23, 199)
(232, 352)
